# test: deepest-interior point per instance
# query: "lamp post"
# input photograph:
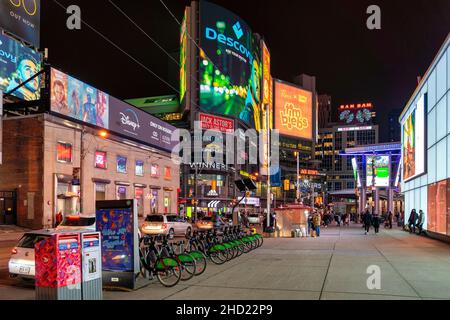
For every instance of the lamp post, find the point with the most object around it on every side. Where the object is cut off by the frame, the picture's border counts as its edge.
(297, 155)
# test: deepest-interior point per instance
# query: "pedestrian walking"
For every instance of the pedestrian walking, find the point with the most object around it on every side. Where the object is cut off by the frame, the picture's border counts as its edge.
(311, 230)
(412, 221)
(317, 222)
(420, 222)
(390, 219)
(376, 223)
(367, 221)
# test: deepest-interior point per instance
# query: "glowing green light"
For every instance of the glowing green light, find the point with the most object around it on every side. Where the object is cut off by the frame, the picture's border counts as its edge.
(220, 25)
(219, 52)
(218, 72)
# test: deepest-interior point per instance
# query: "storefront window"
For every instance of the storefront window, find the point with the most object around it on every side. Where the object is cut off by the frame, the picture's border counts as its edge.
(64, 152)
(100, 160)
(437, 207)
(139, 196)
(167, 203)
(121, 193)
(155, 171)
(139, 168)
(154, 201)
(67, 196)
(121, 164)
(100, 191)
(167, 173)
(209, 185)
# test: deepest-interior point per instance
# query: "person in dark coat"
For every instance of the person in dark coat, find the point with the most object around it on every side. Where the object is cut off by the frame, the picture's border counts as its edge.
(412, 222)
(390, 219)
(376, 223)
(367, 221)
(420, 221)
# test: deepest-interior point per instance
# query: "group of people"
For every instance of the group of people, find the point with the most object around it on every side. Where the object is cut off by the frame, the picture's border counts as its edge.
(416, 220)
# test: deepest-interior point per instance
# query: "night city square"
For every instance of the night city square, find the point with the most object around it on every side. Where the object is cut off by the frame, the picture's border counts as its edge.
(203, 152)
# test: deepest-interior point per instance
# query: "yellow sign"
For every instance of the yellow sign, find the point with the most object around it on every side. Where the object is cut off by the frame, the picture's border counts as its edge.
(287, 185)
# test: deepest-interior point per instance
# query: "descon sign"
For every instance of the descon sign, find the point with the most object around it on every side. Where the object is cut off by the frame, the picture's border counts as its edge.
(213, 35)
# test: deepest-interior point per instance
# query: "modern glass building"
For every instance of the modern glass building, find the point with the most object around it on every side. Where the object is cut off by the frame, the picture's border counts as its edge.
(425, 125)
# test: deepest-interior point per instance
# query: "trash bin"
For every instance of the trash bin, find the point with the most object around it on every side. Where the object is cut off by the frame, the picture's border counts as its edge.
(58, 267)
(91, 285)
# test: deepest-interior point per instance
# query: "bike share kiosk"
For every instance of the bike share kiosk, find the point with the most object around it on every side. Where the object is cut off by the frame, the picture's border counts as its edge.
(117, 223)
(58, 267)
(91, 285)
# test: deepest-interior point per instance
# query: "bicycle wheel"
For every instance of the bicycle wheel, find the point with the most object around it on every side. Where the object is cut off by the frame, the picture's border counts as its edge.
(200, 262)
(168, 272)
(188, 266)
(216, 256)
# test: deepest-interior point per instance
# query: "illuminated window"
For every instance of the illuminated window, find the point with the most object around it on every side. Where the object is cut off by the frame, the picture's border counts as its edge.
(121, 164)
(167, 173)
(100, 160)
(155, 171)
(139, 169)
(64, 152)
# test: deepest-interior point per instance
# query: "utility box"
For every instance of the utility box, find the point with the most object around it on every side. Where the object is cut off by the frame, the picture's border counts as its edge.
(91, 256)
(58, 267)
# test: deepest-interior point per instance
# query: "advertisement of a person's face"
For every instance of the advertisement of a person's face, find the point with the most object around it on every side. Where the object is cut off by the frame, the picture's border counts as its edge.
(27, 69)
(58, 91)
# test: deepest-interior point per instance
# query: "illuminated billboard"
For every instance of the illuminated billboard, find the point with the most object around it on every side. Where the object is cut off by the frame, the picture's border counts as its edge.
(413, 149)
(293, 111)
(356, 172)
(18, 64)
(266, 73)
(230, 66)
(21, 18)
(78, 100)
(357, 113)
(378, 171)
(183, 57)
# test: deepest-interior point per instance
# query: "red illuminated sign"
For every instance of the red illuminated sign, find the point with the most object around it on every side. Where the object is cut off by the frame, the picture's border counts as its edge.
(208, 122)
(354, 106)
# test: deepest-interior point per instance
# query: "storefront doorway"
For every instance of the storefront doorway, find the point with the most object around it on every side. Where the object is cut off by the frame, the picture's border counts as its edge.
(8, 213)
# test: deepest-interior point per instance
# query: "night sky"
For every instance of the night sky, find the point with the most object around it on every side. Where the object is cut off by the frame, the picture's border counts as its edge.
(325, 38)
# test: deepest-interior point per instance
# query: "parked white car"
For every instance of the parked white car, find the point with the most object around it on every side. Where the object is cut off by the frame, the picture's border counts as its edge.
(21, 264)
(170, 225)
(81, 222)
(254, 218)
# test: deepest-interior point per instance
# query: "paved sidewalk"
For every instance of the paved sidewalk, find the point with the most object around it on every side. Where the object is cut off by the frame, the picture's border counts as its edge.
(333, 266)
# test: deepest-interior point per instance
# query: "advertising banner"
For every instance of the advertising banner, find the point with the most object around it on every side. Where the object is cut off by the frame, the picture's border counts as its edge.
(208, 122)
(356, 172)
(137, 124)
(18, 64)
(183, 56)
(1, 127)
(80, 101)
(293, 111)
(358, 113)
(21, 18)
(266, 74)
(413, 150)
(230, 66)
(116, 228)
(378, 171)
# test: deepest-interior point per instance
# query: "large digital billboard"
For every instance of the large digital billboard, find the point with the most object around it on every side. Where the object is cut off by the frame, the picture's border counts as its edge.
(378, 171)
(230, 66)
(356, 113)
(293, 111)
(21, 18)
(413, 149)
(356, 172)
(78, 100)
(18, 64)
(183, 56)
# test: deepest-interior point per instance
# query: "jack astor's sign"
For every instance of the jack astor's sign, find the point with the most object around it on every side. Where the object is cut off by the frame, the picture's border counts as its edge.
(215, 123)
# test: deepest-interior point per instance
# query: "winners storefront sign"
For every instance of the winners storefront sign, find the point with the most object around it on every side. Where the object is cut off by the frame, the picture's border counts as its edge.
(81, 102)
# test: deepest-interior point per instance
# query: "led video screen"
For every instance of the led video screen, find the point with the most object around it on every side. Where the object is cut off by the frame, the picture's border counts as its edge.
(18, 64)
(413, 150)
(230, 66)
(293, 111)
(378, 171)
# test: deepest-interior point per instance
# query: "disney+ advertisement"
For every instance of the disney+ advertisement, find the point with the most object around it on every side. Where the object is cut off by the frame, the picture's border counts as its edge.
(230, 66)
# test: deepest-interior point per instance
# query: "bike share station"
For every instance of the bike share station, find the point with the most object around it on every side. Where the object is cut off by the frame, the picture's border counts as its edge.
(68, 266)
(117, 222)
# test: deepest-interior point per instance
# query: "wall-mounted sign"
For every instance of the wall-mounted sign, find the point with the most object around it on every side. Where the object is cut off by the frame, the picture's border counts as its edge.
(209, 122)
(353, 106)
(210, 166)
(355, 129)
(121, 164)
(22, 18)
(154, 171)
(139, 168)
